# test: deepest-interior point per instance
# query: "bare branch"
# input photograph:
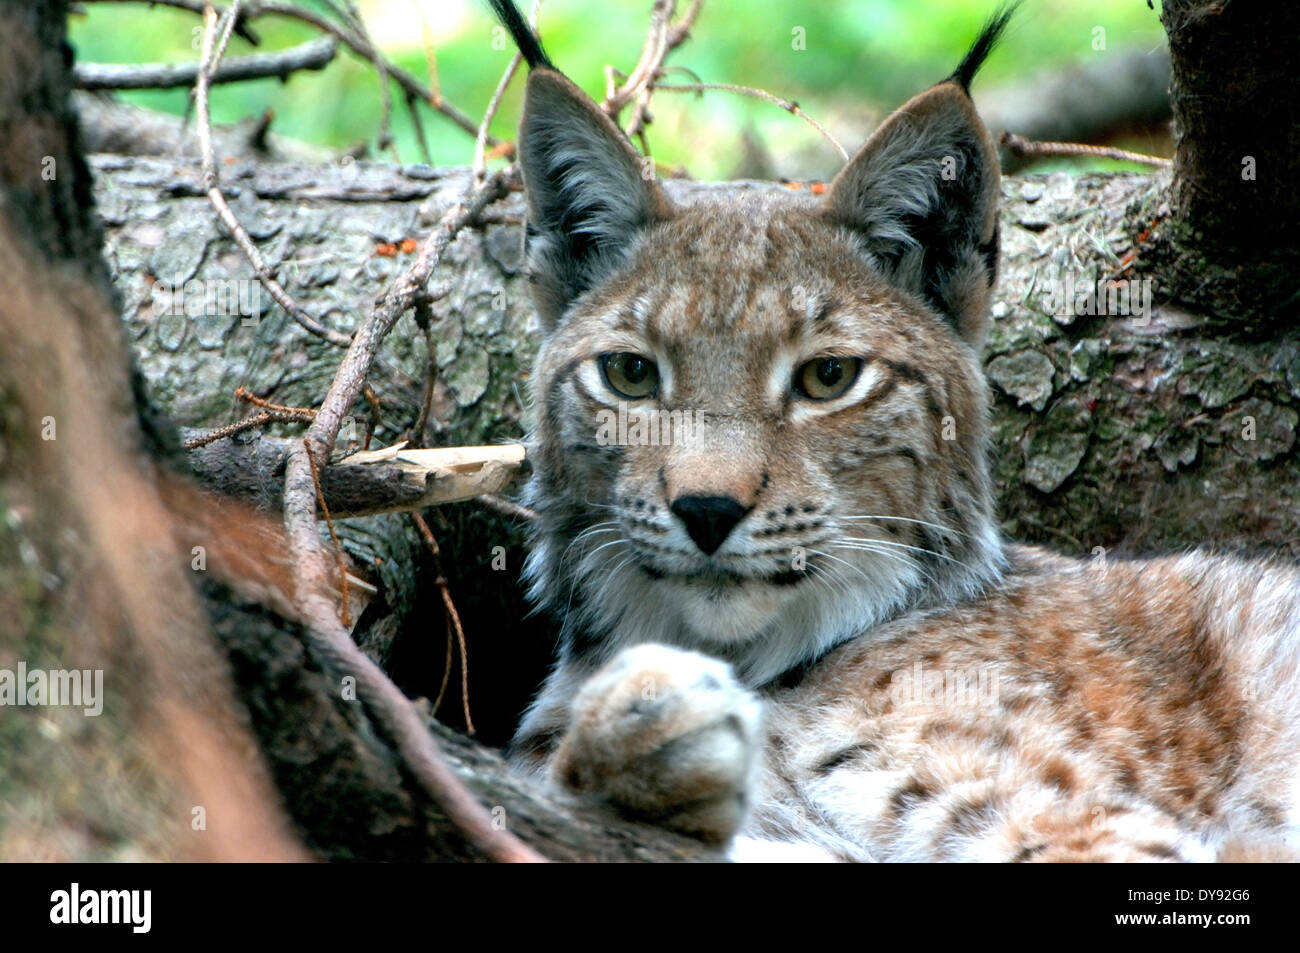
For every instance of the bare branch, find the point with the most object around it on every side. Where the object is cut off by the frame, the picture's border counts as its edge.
(1027, 149)
(453, 622)
(255, 9)
(480, 141)
(674, 36)
(647, 67)
(313, 55)
(384, 140)
(248, 423)
(418, 125)
(344, 616)
(313, 596)
(506, 507)
(251, 470)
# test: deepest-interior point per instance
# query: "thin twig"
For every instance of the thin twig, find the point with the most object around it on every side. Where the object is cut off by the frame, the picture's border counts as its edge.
(506, 507)
(248, 423)
(210, 57)
(678, 33)
(480, 141)
(197, 6)
(372, 420)
(208, 60)
(304, 414)
(492, 216)
(430, 382)
(1024, 148)
(788, 105)
(313, 55)
(431, 61)
(345, 614)
(418, 125)
(675, 35)
(647, 66)
(453, 619)
(446, 669)
(384, 139)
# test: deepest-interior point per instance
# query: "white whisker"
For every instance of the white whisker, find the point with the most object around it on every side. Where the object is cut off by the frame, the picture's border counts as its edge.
(608, 526)
(906, 519)
(919, 549)
(612, 542)
(870, 546)
(844, 583)
(626, 559)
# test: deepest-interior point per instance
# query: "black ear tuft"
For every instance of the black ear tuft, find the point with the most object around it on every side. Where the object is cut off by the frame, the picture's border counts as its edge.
(921, 197)
(983, 45)
(590, 194)
(524, 37)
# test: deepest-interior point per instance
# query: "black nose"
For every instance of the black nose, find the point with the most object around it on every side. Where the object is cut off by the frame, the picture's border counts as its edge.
(709, 519)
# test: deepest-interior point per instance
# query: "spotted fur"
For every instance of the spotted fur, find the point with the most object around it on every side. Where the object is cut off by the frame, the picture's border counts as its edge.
(800, 625)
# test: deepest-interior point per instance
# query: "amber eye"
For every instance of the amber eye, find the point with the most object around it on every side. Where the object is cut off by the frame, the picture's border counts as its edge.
(827, 377)
(630, 375)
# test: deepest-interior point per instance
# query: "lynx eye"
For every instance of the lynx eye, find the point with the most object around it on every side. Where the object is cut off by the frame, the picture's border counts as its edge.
(630, 375)
(827, 377)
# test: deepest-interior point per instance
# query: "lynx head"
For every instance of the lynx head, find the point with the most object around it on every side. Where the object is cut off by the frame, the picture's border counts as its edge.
(760, 420)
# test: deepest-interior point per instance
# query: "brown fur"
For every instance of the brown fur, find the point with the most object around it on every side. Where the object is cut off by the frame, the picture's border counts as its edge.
(1121, 694)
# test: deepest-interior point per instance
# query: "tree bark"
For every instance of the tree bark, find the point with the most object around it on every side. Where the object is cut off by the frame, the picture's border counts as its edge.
(1237, 118)
(146, 745)
(1234, 248)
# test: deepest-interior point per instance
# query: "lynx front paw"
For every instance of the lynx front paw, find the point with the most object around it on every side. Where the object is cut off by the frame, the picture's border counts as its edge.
(666, 736)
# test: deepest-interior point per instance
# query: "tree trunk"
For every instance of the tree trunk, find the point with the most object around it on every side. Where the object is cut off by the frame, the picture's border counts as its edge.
(146, 743)
(1236, 102)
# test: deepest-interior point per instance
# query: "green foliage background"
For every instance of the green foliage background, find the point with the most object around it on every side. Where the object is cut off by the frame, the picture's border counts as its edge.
(862, 58)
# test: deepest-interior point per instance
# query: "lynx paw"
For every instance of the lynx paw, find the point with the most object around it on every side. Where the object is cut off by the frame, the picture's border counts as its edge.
(665, 736)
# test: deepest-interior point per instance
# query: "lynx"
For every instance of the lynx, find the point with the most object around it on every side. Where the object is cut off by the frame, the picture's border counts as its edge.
(800, 626)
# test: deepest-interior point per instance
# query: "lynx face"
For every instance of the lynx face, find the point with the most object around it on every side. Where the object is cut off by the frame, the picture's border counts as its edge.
(761, 421)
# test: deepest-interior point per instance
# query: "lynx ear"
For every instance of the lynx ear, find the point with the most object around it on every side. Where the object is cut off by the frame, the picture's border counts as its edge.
(922, 195)
(589, 192)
